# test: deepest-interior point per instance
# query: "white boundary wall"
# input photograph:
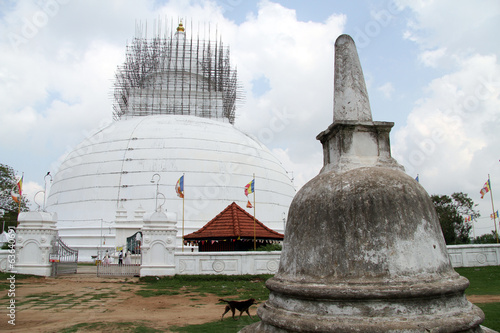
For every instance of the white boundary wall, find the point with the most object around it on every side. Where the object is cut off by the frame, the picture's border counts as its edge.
(235, 263)
(4, 260)
(227, 263)
(474, 255)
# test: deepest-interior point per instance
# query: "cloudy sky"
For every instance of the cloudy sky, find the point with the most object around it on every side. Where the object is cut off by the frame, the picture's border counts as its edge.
(431, 67)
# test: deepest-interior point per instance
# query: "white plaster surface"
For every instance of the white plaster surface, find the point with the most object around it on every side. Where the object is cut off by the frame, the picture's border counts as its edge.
(474, 255)
(158, 248)
(35, 234)
(227, 263)
(113, 168)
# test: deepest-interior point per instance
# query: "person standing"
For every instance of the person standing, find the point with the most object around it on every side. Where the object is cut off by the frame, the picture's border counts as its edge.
(106, 259)
(128, 259)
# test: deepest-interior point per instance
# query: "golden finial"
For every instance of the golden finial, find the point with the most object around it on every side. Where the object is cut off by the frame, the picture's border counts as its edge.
(180, 27)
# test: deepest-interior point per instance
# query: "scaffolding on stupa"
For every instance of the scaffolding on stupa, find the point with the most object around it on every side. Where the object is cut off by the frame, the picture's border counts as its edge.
(175, 74)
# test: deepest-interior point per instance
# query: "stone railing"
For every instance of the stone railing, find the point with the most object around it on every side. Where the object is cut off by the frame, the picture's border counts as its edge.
(474, 255)
(118, 270)
(4, 260)
(227, 263)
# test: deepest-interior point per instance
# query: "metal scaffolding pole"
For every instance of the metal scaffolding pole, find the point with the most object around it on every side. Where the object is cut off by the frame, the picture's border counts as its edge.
(171, 74)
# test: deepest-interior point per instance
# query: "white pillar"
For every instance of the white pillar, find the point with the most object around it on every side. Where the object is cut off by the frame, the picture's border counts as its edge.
(126, 227)
(35, 234)
(159, 234)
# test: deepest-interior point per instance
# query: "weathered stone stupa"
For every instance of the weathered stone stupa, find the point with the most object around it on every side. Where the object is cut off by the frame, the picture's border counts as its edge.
(363, 249)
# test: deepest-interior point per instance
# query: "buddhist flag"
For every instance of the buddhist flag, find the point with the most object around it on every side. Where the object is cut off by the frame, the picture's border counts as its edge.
(179, 187)
(486, 188)
(494, 215)
(249, 204)
(20, 186)
(15, 196)
(250, 187)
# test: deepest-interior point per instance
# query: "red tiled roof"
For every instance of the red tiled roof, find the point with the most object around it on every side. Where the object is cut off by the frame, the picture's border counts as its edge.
(233, 222)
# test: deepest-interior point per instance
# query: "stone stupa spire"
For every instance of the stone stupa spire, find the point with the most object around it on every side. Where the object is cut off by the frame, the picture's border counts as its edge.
(350, 95)
(353, 140)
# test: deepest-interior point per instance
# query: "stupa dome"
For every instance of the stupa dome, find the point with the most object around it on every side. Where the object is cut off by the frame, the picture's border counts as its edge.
(174, 109)
(354, 206)
(112, 170)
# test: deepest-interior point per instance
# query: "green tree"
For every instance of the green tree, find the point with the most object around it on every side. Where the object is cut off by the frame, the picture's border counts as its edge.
(8, 183)
(451, 211)
(486, 239)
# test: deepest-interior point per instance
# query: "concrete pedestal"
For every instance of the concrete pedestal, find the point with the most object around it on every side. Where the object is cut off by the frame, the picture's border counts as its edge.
(159, 233)
(35, 234)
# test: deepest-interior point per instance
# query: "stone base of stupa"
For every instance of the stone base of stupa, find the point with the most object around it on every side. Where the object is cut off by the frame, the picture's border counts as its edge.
(262, 327)
(369, 308)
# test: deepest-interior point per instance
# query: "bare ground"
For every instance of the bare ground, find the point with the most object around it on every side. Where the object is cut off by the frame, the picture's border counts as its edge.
(83, 298)
(66, 301)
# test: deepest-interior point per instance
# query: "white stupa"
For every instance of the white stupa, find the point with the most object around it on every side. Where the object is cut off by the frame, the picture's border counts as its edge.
(174, 112)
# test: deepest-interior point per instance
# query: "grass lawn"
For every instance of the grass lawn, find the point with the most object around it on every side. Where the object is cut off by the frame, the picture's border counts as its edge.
(227, 326)
(484, 281)
(125, 327)
(230, 286)
(5, 284)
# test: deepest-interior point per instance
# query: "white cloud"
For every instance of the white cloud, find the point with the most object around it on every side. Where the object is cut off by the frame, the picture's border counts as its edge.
(56, 87)
(460, 25)
(56, 83)
(297, 59)
(432, 58)
(301, 172)
(35, 194)
(451, 137)
(55, 102)
(387, 89)
(454, 115)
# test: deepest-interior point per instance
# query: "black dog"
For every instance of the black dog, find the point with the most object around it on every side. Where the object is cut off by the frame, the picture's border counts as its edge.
(241, 306)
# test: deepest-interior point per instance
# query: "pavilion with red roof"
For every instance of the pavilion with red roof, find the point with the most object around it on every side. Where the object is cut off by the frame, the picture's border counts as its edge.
(232, 230)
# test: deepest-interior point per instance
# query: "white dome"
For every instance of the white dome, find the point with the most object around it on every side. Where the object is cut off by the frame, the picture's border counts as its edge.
(113, 169)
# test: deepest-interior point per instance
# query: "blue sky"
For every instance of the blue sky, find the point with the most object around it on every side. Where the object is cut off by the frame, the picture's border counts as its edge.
(431, 67)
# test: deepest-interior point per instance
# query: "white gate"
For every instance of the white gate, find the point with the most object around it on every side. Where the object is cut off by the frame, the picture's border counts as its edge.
(63, 258)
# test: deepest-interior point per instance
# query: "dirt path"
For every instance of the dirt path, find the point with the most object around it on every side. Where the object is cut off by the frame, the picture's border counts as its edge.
(50, 305)
(483, 298)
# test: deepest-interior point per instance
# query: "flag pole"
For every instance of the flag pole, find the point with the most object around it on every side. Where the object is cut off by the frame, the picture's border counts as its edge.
(20, 194)
(473, 229)
(20, 189)
(183, 195)
(493, 207)
(254, 234)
